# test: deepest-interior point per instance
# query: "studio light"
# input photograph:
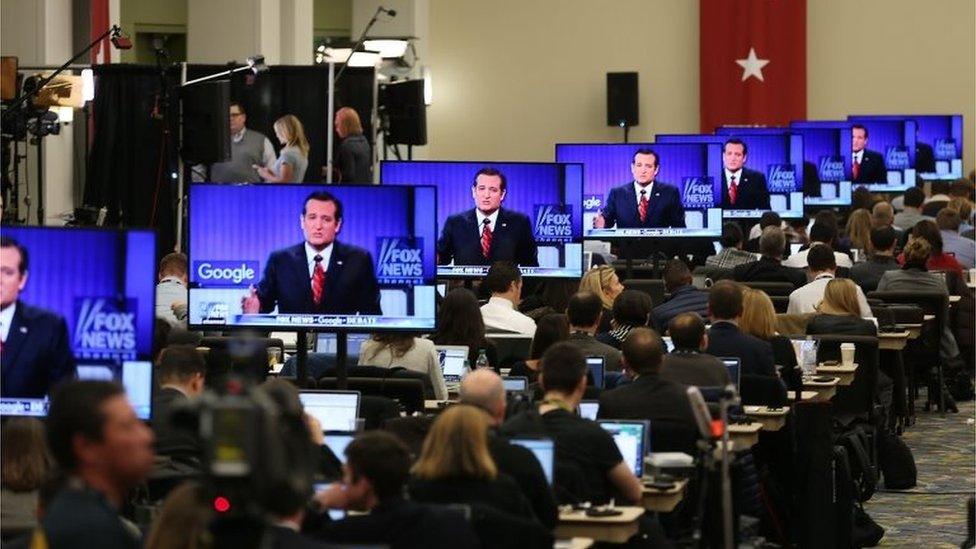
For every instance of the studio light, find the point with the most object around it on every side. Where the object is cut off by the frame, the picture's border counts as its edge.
(87, 84)
(388, 48)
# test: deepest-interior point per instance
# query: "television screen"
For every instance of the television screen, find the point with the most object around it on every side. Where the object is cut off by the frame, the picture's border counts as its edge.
(82, 303)
(684, 193)
(938, 144)
(888, 159)
(533, 212)
(827, 165)
(772, 176)
(282, 257)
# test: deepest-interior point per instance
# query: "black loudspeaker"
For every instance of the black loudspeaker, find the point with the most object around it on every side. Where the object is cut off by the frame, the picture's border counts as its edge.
(622, 99)
(206, 122)
(406, 113)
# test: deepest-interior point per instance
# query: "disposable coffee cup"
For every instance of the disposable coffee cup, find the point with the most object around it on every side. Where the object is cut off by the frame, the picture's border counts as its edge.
(847, 354)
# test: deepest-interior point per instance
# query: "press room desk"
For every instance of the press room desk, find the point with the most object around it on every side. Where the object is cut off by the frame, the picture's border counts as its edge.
(744, 435)
(914, 330)
(573, 543)
(893, 341)
(771, 420)
(804, 395)
(435, 406)
(618, 529)
(663, 501)
(825, 389)
(953, 299)
(844, 374)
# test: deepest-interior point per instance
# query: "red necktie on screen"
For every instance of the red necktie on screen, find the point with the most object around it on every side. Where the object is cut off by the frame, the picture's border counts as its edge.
(486, 239)
(733, 190)
(318, 281)
(856, 168)
(642, 207)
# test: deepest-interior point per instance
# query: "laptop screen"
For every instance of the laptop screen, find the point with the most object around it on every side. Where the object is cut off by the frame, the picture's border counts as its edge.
(337, 442)
(734, 368)
(589, 409)
(631, 438)
(595, 364)
(335, 410)
(544, 451)
(515, 383)
(452, 359)
(668, 344)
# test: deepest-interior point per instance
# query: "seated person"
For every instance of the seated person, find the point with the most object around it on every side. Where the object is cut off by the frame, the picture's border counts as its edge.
(759, 320)
(584, 314)
(912, 212)
(839, 312)
(603, 281)
(684, 296)
(938, 259)
(769, 267)
(589, 467)
(867, 274)
(377, 466)
(504, 282)
(768, 219)
(455, 466)
(390, 350)
(550, 329)
(732, 253)
(822, 270)
(459, 322)
(484, 389)
(632, 309)
(953, 243)
(180, 372)
(687, 364)
(822, 233)
(171, 290)
(726, 339)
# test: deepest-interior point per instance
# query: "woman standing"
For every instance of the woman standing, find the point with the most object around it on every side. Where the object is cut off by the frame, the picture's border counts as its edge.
(292, 161)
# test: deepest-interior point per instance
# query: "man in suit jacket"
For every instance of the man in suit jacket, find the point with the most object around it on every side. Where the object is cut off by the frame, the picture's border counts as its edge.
(643, 202)
(488, 233)
(769, 267)
(868, 166)
(320, 275)
(726, 339)
(180, 371)
(584, 312)
(742, 188)
(35, 353)
(687, 364)
(650, 396)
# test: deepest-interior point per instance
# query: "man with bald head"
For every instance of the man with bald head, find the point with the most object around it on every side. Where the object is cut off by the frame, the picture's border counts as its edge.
(483, 389)
(688, 364)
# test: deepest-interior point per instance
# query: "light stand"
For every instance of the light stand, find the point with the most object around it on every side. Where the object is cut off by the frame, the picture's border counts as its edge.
(362, 37)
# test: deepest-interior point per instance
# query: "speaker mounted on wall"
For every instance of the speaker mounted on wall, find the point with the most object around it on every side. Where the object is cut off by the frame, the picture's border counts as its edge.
(622, 109)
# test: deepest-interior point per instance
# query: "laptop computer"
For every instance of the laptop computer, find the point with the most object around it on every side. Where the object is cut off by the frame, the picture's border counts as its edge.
(335, 410)
(544, 451)
(589, 409)
(452, 359)
(734, 366)
(337, 442)
(515, 383)
(595, 365)
(632, 438)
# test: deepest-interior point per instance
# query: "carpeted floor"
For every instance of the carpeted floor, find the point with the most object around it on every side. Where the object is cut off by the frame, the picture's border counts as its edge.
(933, 514)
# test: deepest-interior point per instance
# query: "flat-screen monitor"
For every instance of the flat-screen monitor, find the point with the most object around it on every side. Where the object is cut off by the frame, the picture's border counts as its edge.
(325, 343)
(337, 442)
(938, 144)
(777, 155)
(827, 159)
(288, 257)
(596, 367)
(684, 197)
(544, 451)
(81, 300)
(732, 364)
(335, 410)
(515, 384)
(890, 152)
(453, 359)
(632, 438)
(589, 409)
(534, 212)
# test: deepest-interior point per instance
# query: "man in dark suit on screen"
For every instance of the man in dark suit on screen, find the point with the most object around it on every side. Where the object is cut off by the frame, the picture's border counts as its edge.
(868, 166)
(35, 353)
(488, 233)
(742, 188)
(320, 275)
(642, 203)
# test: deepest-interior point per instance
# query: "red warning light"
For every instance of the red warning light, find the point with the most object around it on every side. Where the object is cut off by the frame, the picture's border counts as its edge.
(221, 504)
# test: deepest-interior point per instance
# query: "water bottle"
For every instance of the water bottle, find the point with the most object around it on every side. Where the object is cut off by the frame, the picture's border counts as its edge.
(482, 361)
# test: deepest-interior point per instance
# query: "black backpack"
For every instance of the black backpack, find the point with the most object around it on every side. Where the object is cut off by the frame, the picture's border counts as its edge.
(863, 472)
(897, 463)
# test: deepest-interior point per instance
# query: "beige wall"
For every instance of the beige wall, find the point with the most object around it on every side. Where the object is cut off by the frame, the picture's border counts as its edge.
(512, 77)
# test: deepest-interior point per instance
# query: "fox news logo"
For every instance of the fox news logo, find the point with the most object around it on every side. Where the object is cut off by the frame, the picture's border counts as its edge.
(896, 158)
(214, 312)
(698, 193)
(225, 273)
(781, 178)
(831, 168)
(401, 260)
(945, 149)
(105, 327)
(592, 203)
(553, 223)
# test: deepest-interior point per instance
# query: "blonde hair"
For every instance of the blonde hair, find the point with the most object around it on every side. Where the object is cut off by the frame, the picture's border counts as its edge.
(457, 447)
(840, 298)
(963, 206)
(758, 314)
(859, 229)
(293, 129)
(349, 121)
(597, 280)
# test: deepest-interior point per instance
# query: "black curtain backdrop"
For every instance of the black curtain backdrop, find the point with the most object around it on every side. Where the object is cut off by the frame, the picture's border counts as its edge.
(124, 158)
(127, 159)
